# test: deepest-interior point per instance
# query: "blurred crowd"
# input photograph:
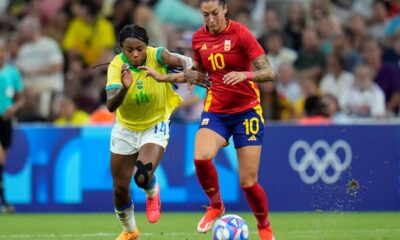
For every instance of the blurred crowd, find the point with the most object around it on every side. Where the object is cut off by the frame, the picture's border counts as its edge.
(337, 61)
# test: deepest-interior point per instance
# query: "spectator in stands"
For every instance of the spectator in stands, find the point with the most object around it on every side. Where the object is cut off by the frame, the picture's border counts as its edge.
(333, 111)
(10, 101)
(386, 75)
(336, 81)
(342, 45)
(358, 27)
(364, 99)
(69, 115)
(277, 53)
(287, 83)
(309, 87)
(314, 112)
(379, 21)
(275, 105)
(89, 35)
(310, 57)
(101, 115)
(41, 62)
(143, 15)
(295, 25)
(392, 54)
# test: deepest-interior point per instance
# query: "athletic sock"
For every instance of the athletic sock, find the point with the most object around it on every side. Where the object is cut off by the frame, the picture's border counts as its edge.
(126, 217)
(258, 202)
(208, 178)
(152, 189)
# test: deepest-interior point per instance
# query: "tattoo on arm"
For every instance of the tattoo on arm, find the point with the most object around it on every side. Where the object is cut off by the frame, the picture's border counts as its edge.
(263, 70)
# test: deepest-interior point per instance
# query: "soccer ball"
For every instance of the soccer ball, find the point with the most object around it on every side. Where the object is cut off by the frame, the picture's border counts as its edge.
(230, 227)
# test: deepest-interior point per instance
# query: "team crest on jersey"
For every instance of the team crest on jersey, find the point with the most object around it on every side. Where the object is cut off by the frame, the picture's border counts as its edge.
(139, 84)
(227, 45)
(203, 47)
(205, 121)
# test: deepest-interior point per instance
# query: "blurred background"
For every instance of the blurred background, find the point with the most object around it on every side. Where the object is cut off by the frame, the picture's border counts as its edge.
(332, 115)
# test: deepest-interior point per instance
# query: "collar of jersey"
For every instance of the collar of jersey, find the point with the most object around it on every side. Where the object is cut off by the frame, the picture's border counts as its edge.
(125, 60)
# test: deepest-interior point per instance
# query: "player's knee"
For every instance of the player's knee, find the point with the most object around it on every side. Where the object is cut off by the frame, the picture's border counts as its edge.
(120, 190)
(143, 174)
(247, 181)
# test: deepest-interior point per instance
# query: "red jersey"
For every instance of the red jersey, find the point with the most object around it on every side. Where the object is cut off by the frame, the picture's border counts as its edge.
(231, 50)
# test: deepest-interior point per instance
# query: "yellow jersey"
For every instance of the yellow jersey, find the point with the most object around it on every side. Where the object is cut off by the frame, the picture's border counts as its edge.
(147, 101)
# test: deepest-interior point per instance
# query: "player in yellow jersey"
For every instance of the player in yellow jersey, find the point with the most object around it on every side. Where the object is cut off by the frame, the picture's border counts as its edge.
(140, 135)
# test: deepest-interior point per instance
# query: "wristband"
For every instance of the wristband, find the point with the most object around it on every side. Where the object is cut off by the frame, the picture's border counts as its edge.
(249, 75)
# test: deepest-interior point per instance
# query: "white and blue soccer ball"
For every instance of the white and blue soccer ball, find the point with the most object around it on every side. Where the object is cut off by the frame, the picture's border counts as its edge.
(230, 227)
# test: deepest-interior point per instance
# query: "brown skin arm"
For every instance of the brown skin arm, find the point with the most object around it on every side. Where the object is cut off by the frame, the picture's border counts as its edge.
(176, 60)
(12, 110)
(115, 97)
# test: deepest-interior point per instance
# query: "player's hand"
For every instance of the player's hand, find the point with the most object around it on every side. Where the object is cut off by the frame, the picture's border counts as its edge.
(234, 78)
(9, 112)
(126, 76)
(198, 78)
(152, 73)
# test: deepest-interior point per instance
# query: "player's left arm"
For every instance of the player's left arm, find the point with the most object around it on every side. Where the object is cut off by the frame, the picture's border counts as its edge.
(176, 60)
(263, 71)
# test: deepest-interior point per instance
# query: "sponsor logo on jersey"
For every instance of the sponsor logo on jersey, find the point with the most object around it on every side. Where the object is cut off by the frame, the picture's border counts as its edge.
(203, 47)
(227, 45)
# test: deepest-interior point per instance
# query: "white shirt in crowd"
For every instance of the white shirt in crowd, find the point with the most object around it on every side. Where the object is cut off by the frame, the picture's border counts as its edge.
(336, 87)
(364, 103)
(39, 55)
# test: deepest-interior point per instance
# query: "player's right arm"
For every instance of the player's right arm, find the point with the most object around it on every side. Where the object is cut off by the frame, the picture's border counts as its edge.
(197, 75)
(115, 96)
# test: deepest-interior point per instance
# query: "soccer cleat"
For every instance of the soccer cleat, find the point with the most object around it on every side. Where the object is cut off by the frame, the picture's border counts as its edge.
(7, 209)
(128, 235)
(207, 221)
(153, 207)
(266, 233)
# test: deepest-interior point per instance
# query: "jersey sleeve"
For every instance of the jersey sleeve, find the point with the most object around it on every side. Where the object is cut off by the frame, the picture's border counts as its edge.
(114, 75)
(250, 44)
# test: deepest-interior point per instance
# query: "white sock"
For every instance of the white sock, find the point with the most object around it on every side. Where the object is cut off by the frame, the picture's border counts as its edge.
(127, 218)
(152, 191)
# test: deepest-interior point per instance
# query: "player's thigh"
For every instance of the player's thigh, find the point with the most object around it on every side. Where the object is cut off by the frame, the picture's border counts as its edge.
(213, 134)
(153, 143)
(150, 155)
(121, 168)
(207, 143)
(249, 162)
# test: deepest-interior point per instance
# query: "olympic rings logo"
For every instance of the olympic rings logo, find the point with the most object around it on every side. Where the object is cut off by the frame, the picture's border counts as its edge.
(320, 157)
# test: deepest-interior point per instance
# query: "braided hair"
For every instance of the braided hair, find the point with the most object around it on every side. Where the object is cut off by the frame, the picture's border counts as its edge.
(133, 31)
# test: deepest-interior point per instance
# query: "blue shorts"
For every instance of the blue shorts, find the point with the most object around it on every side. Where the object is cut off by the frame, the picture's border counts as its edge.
(247, 128)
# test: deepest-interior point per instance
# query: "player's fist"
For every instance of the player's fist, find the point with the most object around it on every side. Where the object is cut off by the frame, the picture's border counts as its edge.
(126, 76)
(198, 78)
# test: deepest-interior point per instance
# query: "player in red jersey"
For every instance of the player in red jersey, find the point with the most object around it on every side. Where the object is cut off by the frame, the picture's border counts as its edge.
(234, 61)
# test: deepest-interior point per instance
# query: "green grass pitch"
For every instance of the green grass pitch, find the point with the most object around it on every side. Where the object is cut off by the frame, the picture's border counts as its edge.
(181, 226)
